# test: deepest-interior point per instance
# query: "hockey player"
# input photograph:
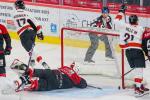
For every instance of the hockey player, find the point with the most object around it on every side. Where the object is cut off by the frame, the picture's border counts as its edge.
(104, 21)
(146, 42)
(27, 31)
(131, 40)
(47, 79)
(4, 35)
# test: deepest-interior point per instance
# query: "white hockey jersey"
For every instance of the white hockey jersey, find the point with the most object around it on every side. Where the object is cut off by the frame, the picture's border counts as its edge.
(20, 20)
(130, 35)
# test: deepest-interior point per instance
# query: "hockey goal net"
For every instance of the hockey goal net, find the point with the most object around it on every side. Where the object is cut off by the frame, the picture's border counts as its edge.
(74, 45)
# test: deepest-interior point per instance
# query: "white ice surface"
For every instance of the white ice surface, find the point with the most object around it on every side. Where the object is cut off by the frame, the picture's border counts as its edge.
(51, 53)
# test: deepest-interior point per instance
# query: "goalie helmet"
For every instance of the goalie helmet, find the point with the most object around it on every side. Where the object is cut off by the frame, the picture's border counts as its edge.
(105, 10)
(20, 4)
(133, 19)
(18, 67)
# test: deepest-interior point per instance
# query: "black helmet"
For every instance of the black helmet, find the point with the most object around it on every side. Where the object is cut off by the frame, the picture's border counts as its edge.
(133, 19)
(20, 4)
(105, 10)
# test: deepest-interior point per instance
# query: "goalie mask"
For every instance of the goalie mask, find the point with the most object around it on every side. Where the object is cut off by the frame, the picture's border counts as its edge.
(18, 67)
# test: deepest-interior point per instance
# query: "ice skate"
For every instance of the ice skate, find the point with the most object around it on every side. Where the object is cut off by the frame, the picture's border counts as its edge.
(89, 62)
(45, 65)
(141, 91)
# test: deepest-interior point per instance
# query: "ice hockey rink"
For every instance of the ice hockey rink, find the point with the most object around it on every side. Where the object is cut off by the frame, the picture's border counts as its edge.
(51, 53)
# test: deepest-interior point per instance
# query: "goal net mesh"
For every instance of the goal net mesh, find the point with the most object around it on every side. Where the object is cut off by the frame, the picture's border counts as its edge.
(74, 45)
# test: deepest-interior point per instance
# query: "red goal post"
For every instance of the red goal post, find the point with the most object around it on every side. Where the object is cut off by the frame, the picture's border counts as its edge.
(95, 31)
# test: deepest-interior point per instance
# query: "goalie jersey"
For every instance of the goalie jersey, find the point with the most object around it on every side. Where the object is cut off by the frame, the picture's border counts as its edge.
(21, 23)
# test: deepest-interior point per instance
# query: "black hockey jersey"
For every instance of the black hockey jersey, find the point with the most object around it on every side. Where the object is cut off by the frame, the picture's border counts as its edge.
(146, 42)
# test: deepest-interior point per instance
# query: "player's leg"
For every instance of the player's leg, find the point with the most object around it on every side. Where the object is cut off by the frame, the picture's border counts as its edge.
(40, 85)
(28, 40)
(2, 65)
(92, 49)
(48, 79)
(42, 73)
(108, 50)
(136, 60)
(140, 63)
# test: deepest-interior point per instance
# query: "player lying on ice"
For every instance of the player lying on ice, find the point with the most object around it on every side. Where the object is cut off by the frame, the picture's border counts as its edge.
(46, 79)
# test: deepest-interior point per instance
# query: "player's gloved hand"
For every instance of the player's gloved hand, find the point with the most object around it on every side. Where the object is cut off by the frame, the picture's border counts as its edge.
(7, 51)
(123, 8)
(40, 36)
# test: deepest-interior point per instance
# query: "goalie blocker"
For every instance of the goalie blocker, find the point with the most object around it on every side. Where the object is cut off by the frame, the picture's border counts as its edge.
(47, 79)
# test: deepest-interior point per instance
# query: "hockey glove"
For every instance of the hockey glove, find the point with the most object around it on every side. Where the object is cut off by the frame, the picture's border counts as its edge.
(40, 36)
(7, 52)
(123, 8)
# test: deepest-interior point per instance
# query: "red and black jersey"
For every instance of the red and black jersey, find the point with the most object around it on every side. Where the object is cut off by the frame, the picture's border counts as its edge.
(102, 22)
(146, 42)
(4, 36)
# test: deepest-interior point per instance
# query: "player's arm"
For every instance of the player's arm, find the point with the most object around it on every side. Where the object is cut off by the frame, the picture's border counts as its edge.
(36, 27)
(7, 39)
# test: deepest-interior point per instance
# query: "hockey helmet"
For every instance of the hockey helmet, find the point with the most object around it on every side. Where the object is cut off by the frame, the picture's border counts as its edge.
(20, 4)
(133, 19)
(105, 10)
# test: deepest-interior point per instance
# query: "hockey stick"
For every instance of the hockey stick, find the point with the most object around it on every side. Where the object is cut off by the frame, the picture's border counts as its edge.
(132, 69)
(91, 86)
(30, 54)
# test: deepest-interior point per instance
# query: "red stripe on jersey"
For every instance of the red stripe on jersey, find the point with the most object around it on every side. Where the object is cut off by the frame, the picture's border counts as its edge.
(131, 45)
(23, 29)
